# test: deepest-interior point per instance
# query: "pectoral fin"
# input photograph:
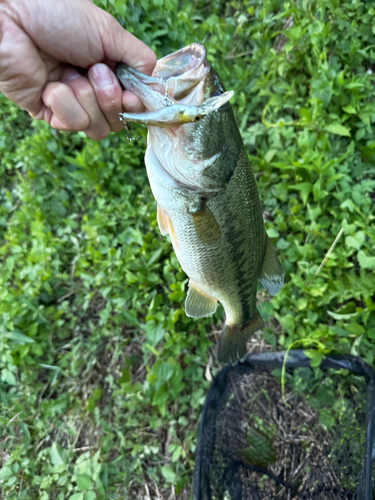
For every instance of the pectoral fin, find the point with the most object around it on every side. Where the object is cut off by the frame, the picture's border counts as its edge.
(272, 274)
(206, 227)
(198, 304)
(162, 221)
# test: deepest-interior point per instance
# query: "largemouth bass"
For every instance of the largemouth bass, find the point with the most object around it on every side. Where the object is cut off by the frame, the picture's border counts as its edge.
(207, 198)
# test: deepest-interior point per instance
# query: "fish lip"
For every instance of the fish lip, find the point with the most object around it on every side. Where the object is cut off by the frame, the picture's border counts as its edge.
(141, 85)
(135, 74)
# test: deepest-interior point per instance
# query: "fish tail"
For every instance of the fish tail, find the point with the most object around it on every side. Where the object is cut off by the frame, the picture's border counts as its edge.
(234, 338)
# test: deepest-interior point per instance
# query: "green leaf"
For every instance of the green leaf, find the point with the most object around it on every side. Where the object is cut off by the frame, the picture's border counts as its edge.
(8, 376)
(365, 261)
(334, 178)
(272, 233)
(154, 332)
(125, 376)
(315, 356)
(19, 337)
(356, 240)
(287, 323)
(360, 134)
(6, 472)
(90, 495)
(155, 256)
(338, 316)
(55, 455)
(84, 482)
(305, 188)
(169, 474)
(77, 496)
(337, 129)
(349, 109)
(355, 329)
(326, 418)
(164, 371)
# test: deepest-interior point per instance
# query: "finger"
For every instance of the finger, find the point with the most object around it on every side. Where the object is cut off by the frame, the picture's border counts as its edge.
(96, 35)
(98, 127)
(131, 102)
(67, 112)
(108, 94)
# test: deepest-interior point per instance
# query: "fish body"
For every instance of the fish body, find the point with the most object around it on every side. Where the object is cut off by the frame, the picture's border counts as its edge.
(208, 201)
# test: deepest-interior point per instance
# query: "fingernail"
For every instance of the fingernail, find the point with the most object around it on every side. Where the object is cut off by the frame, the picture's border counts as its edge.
(102, 76)
(70, 75)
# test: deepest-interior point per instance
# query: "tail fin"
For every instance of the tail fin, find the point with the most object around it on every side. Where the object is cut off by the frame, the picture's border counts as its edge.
(233, 340)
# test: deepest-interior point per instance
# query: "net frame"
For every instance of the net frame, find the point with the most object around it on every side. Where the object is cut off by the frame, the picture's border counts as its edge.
(289, 359)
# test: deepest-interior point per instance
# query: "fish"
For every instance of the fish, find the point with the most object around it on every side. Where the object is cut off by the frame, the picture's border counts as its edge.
(206, 194)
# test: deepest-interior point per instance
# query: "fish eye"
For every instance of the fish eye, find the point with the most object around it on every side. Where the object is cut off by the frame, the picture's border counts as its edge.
(197, 118)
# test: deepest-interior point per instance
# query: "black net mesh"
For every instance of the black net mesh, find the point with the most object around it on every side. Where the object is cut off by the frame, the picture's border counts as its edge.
(312, 442)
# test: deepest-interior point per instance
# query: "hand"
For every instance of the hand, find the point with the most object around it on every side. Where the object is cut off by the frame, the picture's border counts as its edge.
(40, 43)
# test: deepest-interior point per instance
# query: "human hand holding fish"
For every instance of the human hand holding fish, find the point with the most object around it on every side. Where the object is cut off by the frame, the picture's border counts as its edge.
(56, 59)
(208, 201)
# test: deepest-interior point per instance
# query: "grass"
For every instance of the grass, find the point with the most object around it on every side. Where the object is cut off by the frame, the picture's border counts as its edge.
(103, 376)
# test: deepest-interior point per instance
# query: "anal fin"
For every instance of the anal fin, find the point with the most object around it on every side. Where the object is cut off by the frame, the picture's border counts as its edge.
(272, 274)
(198, 304)
(232, 345)
(206, 226)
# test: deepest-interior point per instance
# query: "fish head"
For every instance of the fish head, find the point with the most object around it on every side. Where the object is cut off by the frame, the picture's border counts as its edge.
(182, 79)
(190, 76)
(192, 130)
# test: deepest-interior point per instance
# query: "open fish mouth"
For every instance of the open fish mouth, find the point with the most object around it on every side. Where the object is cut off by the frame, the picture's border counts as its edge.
(185, 62)
(184, 71)
(178, 90)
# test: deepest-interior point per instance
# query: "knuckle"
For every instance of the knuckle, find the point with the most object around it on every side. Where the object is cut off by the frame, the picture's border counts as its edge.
(116, 126)
(53, 92)
(81, 123)
(65, 108)
(152, 58)
(97, 136)
(84, 90)
(98, 133)
(110, 105)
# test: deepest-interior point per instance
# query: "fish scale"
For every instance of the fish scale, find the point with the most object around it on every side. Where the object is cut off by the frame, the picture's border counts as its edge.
(207, 197)
(243, 240)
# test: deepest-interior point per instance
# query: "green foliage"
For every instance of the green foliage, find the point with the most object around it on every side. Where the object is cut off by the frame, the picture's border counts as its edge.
(102, 374)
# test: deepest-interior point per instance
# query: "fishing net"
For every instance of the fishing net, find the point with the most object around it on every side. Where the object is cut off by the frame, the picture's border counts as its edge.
(314, 440)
